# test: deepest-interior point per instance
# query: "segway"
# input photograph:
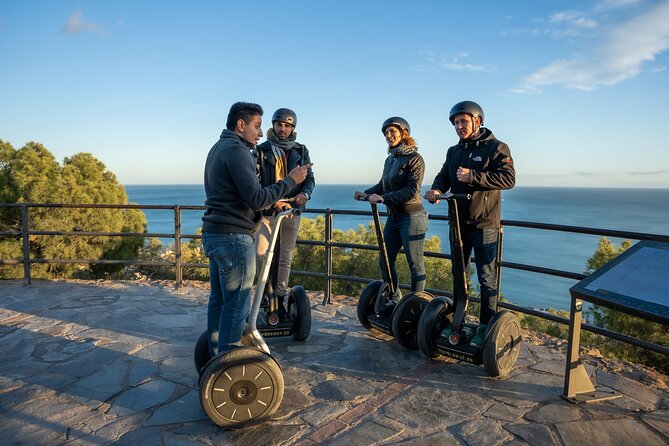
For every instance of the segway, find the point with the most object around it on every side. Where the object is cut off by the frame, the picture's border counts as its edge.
(269, 324)
(273, 320)
(379, 309)
(242, 385)
(501, 342)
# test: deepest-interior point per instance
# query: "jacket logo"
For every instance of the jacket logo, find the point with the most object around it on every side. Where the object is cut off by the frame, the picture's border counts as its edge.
(477, 158)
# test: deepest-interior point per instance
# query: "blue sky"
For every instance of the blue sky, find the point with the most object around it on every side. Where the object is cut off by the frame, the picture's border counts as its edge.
(578, 89)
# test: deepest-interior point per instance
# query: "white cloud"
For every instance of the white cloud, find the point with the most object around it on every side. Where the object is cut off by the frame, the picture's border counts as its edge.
(76, 24)
(568, 24)
(574, 18)
(430, 61)
(454, 66)
(619, 55)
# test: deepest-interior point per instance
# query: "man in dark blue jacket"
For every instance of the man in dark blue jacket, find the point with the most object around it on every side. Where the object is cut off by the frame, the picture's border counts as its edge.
(480, 165)
(234, 198)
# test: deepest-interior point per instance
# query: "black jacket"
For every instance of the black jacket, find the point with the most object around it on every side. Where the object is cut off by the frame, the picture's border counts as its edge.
(297, 156)
(492, 170)
(400, 183)
(234, 195)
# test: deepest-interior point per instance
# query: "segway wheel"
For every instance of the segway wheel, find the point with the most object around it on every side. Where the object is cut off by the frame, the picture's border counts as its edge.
(299, 309)
(201, 354)
(366, 302)
(502, 344)
(435, 318)
(406, 317)
(241, 386)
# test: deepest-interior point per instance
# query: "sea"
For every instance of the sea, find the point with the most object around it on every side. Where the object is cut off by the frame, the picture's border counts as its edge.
(635, 210)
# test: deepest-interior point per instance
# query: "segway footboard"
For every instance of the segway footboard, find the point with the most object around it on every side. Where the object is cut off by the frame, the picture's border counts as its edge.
(462, 352)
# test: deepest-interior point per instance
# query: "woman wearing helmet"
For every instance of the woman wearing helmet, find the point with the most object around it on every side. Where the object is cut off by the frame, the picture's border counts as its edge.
(399, 189)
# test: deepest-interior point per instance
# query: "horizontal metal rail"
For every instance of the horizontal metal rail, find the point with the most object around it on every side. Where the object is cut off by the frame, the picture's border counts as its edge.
(329, 245)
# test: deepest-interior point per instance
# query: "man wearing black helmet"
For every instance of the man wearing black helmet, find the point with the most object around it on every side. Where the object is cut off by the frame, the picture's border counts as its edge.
(276, 157)
(480, 165)
(399, 189)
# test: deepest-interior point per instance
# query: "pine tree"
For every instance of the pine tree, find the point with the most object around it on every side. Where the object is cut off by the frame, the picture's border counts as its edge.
(32, 175)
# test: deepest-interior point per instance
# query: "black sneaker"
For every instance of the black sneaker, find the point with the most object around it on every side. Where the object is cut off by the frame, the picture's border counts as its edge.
(283, 314)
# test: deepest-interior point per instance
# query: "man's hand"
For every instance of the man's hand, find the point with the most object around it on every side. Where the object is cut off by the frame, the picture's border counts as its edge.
(375, 199)
(301, 199)
(359, 195)
(281, 206)
(432, 195)
(464, 175)
(299, 173)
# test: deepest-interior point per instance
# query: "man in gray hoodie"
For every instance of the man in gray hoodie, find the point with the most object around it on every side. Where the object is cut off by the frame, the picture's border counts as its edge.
(234, 198)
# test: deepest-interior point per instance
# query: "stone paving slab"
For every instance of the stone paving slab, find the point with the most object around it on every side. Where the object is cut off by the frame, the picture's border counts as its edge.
(96, 363)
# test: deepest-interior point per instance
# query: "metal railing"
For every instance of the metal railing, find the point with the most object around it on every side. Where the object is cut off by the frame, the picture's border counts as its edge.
(328, 275)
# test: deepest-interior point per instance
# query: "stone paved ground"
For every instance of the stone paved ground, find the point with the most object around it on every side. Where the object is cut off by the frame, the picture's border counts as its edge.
(111, 362)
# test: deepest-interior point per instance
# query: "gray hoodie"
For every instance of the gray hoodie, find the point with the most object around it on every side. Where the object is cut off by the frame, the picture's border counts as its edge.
(234, 194)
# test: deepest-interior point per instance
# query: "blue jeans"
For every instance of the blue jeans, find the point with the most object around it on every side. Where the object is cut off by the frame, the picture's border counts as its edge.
(484, 244)
(407, 231)
(232, 267)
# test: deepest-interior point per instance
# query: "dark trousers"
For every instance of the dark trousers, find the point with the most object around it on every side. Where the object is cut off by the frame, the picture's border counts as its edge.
(407, 231)
(483, 242)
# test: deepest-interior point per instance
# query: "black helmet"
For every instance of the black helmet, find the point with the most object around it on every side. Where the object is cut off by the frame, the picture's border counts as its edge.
(469, 107)
(285, 115)
(396, 121)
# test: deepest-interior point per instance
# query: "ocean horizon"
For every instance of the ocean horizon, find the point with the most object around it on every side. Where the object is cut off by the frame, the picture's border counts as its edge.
(644, 210)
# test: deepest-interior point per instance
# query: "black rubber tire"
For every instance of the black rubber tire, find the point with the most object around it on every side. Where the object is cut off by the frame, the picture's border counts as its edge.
(436, 316)
(406, 317)
(299, 309)
(241, 386)
(502, 344)
(201, 354)
(366, 302)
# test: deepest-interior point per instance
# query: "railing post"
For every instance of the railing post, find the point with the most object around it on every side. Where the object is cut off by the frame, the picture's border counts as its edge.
(26, 244)
(327, 290)
(177, 246)
(498, 269)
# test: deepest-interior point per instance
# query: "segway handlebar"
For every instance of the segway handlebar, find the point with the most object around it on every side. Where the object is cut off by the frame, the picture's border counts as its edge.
(290, 212)
(452, 196)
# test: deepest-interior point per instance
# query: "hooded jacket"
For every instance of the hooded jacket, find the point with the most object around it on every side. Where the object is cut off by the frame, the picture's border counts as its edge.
(492, 171)
(297, 156)
(401, 181)
(233, 193)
